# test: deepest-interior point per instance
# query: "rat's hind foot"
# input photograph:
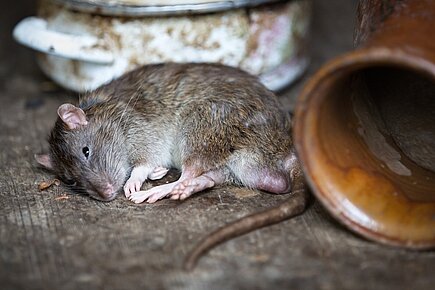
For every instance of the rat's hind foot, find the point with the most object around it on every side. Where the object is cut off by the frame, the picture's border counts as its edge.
(180, 189)
(188, 187)
(192, 185)
(158, 173)
(152, 195)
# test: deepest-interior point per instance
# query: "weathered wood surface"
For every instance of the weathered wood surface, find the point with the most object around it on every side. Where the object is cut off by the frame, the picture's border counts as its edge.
(50, 242)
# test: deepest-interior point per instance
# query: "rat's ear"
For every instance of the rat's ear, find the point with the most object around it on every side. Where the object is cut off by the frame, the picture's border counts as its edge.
(72, 116)
(44, 160)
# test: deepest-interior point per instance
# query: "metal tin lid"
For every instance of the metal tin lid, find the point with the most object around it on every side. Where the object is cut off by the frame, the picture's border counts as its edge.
(157, 7)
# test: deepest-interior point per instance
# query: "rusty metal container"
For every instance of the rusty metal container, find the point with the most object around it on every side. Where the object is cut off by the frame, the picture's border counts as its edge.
(85, 43)
(365, 126)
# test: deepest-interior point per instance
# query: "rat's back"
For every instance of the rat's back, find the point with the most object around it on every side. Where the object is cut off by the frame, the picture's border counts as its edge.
(172, 86)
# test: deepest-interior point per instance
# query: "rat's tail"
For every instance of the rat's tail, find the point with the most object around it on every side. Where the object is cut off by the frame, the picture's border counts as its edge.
(291, 207)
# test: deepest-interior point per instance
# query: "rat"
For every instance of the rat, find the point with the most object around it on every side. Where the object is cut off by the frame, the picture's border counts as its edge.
(214, 123)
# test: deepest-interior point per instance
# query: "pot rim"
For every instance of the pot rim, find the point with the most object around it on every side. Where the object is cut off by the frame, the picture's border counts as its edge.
(125, 9)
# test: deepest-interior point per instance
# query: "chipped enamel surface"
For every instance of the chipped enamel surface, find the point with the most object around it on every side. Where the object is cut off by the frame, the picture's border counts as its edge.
(268, 42)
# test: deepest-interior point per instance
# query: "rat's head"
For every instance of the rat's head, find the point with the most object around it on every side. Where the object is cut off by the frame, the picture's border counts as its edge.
(87, 153)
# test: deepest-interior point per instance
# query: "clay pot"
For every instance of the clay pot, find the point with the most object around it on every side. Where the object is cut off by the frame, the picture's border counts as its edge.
(365, 126)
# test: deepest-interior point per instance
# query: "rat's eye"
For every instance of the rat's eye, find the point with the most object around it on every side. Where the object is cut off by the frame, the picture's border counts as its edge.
(69, 182)
(85, 151)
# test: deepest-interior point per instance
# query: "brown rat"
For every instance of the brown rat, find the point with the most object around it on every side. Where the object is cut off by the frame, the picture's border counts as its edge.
(215, 123)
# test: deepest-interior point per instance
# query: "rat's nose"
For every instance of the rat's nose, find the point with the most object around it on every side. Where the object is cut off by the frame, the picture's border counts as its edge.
(108, 192)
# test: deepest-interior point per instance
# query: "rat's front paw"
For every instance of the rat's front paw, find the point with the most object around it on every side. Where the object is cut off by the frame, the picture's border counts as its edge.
(158, 173)
(131, 186)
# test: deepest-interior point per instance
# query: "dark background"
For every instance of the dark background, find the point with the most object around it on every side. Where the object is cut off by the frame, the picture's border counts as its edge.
(47, 242)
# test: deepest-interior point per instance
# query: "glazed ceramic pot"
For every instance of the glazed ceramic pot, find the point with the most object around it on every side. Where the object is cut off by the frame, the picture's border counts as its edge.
(84, 43)
(365, 126)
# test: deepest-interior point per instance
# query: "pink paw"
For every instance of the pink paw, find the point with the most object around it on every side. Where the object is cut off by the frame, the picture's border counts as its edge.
(152, 195)
(158, 173)
(140, 196)
(131, 186)
(185, 189)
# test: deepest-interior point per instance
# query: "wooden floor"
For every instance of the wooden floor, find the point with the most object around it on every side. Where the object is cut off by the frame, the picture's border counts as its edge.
(49, 241)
